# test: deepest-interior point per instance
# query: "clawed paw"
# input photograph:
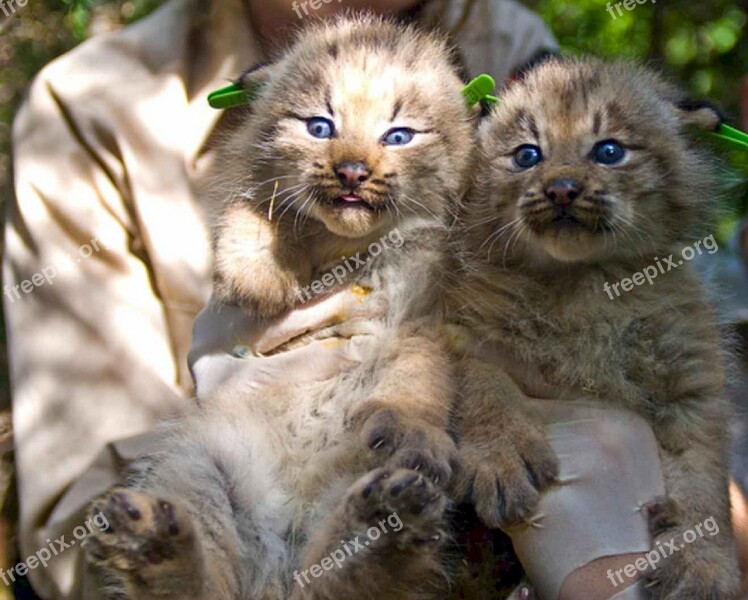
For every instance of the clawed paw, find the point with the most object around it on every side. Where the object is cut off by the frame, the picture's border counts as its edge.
(505, 483)
(404, 503)
(411, 444)
(144, 531)
(663, 515)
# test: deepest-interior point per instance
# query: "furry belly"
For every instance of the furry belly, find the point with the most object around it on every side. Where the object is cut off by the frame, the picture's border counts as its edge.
(295, 440)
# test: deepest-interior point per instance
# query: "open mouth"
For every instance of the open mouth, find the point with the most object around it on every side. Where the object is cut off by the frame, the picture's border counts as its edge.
(565, 221)
(352, 201)
(561, 222)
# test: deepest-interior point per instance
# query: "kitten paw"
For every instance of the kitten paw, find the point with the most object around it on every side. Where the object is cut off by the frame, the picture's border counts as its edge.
(410, 444)
(407, 497)
(279, 292)
(663, 515)
(688, 569)
(505, 482)
(144, 532)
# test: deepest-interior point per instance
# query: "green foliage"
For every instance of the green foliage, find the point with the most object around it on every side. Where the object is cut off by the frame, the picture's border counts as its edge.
(80, 13)
(79, 17)
(701, 44)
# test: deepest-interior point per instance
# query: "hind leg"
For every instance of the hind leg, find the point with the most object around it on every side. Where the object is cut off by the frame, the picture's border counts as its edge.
(184, 527)
(150, 547)
(384, 541)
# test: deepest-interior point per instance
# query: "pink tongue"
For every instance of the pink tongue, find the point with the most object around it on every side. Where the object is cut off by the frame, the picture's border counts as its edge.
(351, 198)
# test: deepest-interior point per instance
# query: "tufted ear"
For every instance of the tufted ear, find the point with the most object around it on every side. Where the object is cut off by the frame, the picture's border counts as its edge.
(539, 58)
(253, 80)
(700, 113)
(255, 76)
(243, 90)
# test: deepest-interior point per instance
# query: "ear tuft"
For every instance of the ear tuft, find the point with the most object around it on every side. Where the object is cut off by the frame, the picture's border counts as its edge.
(255, 76)
(536, 60)
(701, 114)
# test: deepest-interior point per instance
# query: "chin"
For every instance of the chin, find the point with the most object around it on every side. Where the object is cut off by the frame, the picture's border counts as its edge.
(353, 222)
(573, 247)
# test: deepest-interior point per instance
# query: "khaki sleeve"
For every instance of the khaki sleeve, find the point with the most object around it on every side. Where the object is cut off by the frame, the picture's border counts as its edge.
(530, 36)
(499, 36)
(91, 358)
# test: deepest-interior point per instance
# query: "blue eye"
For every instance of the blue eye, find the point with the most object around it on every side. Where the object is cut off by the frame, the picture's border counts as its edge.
(609, 152)
(320, 128)
(398, 137)
(527, 156)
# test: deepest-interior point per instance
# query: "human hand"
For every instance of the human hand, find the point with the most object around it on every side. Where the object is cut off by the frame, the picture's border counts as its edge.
(233, 351)
(593, 520)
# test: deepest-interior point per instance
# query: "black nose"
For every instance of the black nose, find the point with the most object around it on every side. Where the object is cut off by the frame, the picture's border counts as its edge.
(563, 192)
(352, 174)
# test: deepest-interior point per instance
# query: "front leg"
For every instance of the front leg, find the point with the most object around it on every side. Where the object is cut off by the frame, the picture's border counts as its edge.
(383, 542)
(691, 527)
(506, 457)
(405, 422)
(690, 416)
(259, 265)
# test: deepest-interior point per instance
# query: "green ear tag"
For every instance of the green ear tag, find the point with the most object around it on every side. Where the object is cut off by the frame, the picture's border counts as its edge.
(479, 89)
(733, 136)
(232, 95)
(229, 96)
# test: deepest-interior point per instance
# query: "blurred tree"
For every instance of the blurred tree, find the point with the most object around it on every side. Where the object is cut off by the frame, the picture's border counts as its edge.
(701, 44)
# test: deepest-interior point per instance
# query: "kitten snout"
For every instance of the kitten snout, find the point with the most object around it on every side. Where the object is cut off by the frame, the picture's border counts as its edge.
(567, 216)
(563, 192)
(352, 173)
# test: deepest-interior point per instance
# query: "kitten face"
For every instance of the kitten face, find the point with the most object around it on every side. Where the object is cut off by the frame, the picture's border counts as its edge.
(586, 161)
(362, 124)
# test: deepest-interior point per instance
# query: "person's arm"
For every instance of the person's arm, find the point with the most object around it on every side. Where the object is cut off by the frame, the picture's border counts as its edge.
(90, 351)
(497, 36)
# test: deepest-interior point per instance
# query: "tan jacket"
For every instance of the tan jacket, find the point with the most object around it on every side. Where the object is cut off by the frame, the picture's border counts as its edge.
(107, 253)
